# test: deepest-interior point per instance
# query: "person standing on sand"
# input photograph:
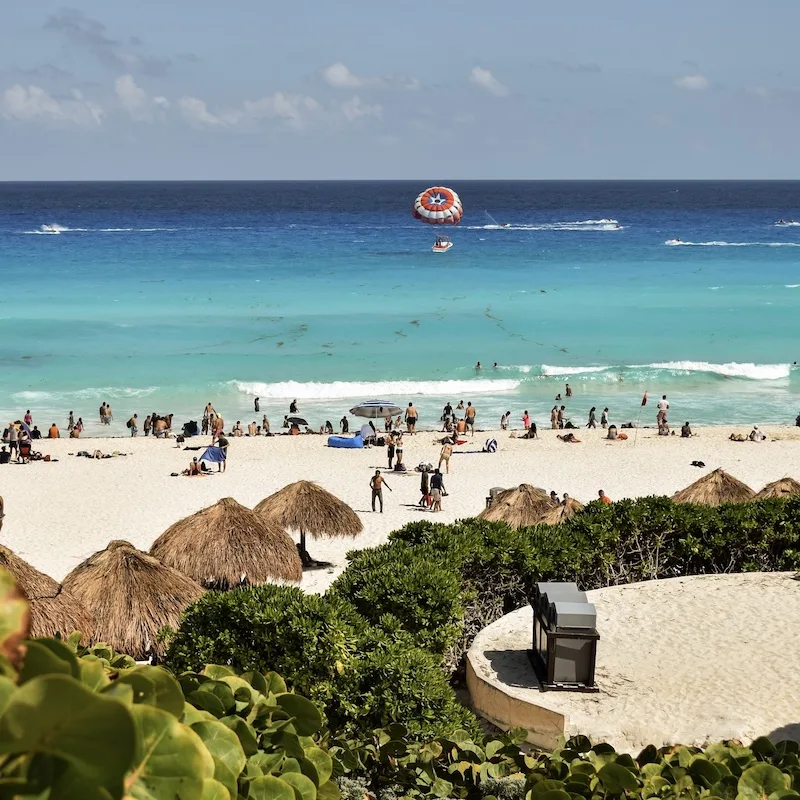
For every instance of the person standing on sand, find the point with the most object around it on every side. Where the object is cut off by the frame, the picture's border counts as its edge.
(148, 423)
(504, 421)
(554, 418)
(471, 413)
(526, 420)
(265, 426)
(437, 489)
(604, 418)
(560, 417)
(376, 483)
(411, 418)
(28, 419)
(223, 444)
(425, 488)
(344, 425)
(663, 407)
(102, 412)
(444, 456)
(71, 421)
(592, 423)
(390, 449)
(132, 424)
(256, 407)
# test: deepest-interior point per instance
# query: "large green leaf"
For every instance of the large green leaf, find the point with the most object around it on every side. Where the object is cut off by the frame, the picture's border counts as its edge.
(268, 787)
(48, 657)
(214, 790)
(245, 732)
(226, 777)
(164, 691)
(761, 780)
(617, 779)
(223, 744)
(55, 714)
(303, 786)
(93, 673)
(322, 763)
(7, 688)
(307, 719)
(171, 761)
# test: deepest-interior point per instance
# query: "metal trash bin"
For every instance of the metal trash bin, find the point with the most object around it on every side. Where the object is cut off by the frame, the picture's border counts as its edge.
(493, 492)
(564, 648)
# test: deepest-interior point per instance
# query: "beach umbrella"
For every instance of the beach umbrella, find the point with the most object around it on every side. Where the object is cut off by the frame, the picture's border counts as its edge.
(227, 545)
(714, 489)
(519, 507)
(132, 596)
(785, 487)
(53, 608)
(296, 421)
(376, 409)
(561, 513)
(307, 508)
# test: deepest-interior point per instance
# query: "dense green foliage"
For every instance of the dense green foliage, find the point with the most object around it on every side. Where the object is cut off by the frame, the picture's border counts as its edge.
(362, 676)
(458, 767)
(91, 724)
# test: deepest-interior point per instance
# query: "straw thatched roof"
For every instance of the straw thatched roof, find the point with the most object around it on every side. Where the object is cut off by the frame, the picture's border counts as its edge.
(226, 545)
(53, 609)
(785, 487)
(304, 506)
(519, 507)
(563, 512)
(131, 596)
(714, 489)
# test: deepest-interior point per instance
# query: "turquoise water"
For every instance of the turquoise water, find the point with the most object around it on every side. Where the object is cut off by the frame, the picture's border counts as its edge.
(166, 296)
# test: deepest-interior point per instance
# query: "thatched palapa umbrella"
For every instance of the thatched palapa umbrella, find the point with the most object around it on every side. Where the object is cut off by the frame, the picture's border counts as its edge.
(226, 545)
(715, 489)
(53, 608)
(307, 508)
(561, 513)
(519, 507)
(132, 596)
(785, 487)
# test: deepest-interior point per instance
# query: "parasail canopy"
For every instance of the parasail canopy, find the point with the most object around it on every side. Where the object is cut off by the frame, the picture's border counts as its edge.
(438, 206)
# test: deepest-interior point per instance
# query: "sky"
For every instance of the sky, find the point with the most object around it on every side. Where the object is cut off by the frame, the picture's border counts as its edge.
(313, 89)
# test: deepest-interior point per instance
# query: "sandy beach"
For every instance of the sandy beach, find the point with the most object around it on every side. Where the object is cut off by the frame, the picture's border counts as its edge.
(58, 513)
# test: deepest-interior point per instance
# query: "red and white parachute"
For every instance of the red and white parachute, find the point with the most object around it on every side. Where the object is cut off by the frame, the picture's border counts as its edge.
(438, 206)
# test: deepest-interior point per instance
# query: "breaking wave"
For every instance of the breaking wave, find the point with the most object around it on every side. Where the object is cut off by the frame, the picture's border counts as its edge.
(90, 393)
(732, 369)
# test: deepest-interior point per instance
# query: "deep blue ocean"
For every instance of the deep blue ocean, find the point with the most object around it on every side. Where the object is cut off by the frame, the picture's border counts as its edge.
(164, 296)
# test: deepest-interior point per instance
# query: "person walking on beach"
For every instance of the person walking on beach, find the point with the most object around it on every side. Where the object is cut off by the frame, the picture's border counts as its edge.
(554, 418)
(148, 424)
(376, 483)
(592, 423)
(604, 418)
(256, 407)
(28, 419)
(411, 418)
(444, 456)
(102, 412)
(470, 417)
(437, 489)
(663, 407)
(71, 421)
(109, 414)
(132, 424)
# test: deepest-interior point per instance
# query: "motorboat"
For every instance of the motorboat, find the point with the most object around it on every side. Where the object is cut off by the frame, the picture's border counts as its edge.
(673, 241)
(442, 244)
(50, 229)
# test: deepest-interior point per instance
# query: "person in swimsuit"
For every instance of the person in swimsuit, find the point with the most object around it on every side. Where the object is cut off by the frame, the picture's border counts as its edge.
(390, 450)
(554, 418)
(376, 483)
(470, 417)
(604, 418)
(293, 407)
(411, 418)
(592, 423)
(444, 456)
(424, 488)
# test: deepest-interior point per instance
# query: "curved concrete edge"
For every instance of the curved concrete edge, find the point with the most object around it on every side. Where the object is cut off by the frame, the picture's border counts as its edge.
(545, 728)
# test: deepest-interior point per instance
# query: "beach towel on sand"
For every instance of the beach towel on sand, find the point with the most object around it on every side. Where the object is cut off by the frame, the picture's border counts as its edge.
(214, 455)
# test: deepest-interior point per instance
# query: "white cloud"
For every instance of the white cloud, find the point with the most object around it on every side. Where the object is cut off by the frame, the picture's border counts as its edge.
(196, 111)
(354, 108)
(33, 104)
(136, 101)
(340, 77)
(692, 83)
(484, 78)
(759, 91)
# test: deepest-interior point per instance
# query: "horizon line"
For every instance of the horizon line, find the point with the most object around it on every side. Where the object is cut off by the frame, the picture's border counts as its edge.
(400, 180)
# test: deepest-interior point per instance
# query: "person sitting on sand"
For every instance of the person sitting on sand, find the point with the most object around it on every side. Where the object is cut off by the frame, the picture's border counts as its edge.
(569, 438)
(738, 437)
(555, 498)
(531, 433)
(686, 431)
(252, 429)
(36, 433)
(328, 427)
(194, 470)
(756, 435)
(663, 427)
(53, 432)
(75, 433)
(237, 429)
(612, 432)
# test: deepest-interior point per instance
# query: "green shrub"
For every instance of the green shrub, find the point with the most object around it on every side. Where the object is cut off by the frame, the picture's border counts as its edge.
(361, 677)
(425, 598)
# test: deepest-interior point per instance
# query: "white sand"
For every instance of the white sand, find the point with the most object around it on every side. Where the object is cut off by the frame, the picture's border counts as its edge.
(686, 660)
(57, 514)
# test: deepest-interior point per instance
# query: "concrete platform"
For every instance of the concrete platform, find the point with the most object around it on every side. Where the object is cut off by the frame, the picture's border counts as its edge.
(686, 660)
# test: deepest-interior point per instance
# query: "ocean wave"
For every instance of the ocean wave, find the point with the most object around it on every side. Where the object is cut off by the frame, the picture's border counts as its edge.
(679, 243)
(791, 285)
(367, 389)
(97, 393)
(732, 369)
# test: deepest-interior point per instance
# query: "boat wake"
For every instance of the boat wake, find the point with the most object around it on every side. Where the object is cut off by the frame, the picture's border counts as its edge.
(575, 225)
(679, 243)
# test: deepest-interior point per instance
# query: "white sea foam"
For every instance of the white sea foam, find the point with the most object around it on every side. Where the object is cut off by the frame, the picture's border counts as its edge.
(367, 389)
(677, 243)
(555, 371)
(101, 392)
(733, 369)
(791, 285)
(580, 225)
(787, 224)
